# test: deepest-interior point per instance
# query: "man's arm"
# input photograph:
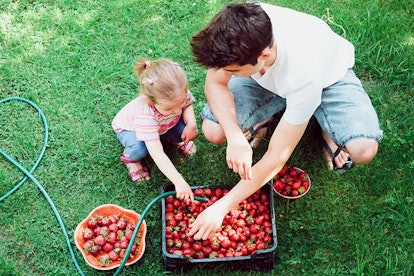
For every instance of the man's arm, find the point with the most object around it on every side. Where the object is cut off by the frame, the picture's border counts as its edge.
(221, 102)
(281, 145)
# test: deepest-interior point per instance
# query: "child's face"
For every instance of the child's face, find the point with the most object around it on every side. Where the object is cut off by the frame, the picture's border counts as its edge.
(168, 107)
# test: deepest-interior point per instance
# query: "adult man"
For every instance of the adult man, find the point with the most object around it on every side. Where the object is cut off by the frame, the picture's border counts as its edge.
(261, 60)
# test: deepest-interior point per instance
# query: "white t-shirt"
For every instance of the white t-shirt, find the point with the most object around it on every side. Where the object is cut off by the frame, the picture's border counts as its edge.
(310, 57)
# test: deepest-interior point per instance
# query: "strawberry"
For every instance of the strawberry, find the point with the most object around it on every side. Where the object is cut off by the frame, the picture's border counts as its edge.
(134, 249)
(104, 231)
(122, 223)
(199, 192)
(305, 185)
(124, 244)
(107, 247)
(112, 237)
(104, 260)
(278, 185)
(208, 192)
(219, 192)
(197, 246)
(88, 234)
(113, 256)
(169, 208)
(113, 218)
(95, 250)
(128, 233)
(113, 227)
(296, 185)
(100, 240)
(260, 245)
(105, 221)
(92, 223)
(88, 246)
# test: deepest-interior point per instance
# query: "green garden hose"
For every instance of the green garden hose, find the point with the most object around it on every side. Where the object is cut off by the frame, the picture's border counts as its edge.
(28, 174)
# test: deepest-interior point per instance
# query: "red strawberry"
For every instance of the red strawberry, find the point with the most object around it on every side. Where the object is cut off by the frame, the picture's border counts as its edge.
(112, 238)
(113, 219)
(226, 243)
(133, 249)
(199, 192)
(278, 185)
(113, 256)
(260, 245)
(95, 250)
(124, 244)
(88, 246)
(188, 252)
(219, 192)
(296, 185)
(113, 227)
(122, 223)
(100, 240)
(104, 260)
(128, 233)
(197, 247)
(105, 221)
(88, 234)
(107, 247)
(208, 192)
(92, 223)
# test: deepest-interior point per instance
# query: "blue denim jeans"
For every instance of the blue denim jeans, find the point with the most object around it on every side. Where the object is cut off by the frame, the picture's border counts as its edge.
(345, 113)
(136, 150)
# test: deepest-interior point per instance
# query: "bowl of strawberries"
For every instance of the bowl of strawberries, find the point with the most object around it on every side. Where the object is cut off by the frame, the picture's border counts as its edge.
(291, 182)
(103, 237)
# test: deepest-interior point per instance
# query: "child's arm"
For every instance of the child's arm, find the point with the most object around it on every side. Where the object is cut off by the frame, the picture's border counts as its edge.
(190, 131)
(165, 165)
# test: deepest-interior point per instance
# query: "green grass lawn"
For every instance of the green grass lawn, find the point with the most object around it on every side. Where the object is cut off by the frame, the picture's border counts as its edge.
(74, 60)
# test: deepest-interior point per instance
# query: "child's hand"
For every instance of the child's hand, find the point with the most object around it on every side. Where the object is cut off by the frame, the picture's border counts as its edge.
(184, 192)
(190, 132)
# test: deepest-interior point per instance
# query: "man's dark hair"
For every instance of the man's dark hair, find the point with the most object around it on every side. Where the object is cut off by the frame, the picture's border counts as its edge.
(236, 35)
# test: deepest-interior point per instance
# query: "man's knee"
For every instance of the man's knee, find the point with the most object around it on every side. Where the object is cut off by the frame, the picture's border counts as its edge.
(213, 132)
(362, 151)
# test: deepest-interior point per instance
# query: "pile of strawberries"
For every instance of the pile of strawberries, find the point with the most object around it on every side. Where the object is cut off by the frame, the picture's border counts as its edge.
(291, 182)
(107, 238)
(246, 229)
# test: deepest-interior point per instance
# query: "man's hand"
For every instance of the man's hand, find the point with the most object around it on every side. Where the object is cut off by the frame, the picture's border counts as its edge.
(239, 156)
(207, 223)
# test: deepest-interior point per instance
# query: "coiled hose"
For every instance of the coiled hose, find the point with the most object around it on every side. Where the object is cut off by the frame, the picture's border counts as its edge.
(29, 175)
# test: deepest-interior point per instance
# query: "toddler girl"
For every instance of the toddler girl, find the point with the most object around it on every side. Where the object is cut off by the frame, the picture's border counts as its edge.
(162, 111)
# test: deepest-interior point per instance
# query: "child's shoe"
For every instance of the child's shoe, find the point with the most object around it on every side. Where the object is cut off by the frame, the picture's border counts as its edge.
(140, 173)
(187, 149)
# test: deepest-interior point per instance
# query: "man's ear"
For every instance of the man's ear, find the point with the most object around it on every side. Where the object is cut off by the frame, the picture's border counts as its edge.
(265, 54)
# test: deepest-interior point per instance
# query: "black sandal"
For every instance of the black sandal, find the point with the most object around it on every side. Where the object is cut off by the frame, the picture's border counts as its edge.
(253, 131)
(348, 164)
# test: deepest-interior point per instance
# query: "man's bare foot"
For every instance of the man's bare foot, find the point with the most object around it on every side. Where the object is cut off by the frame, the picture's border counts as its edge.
(258, 132)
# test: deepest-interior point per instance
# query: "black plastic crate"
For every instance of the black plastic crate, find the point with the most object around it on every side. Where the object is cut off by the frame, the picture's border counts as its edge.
(261, 260)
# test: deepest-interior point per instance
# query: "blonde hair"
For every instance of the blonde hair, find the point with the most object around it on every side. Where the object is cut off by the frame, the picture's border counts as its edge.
(160, 78)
